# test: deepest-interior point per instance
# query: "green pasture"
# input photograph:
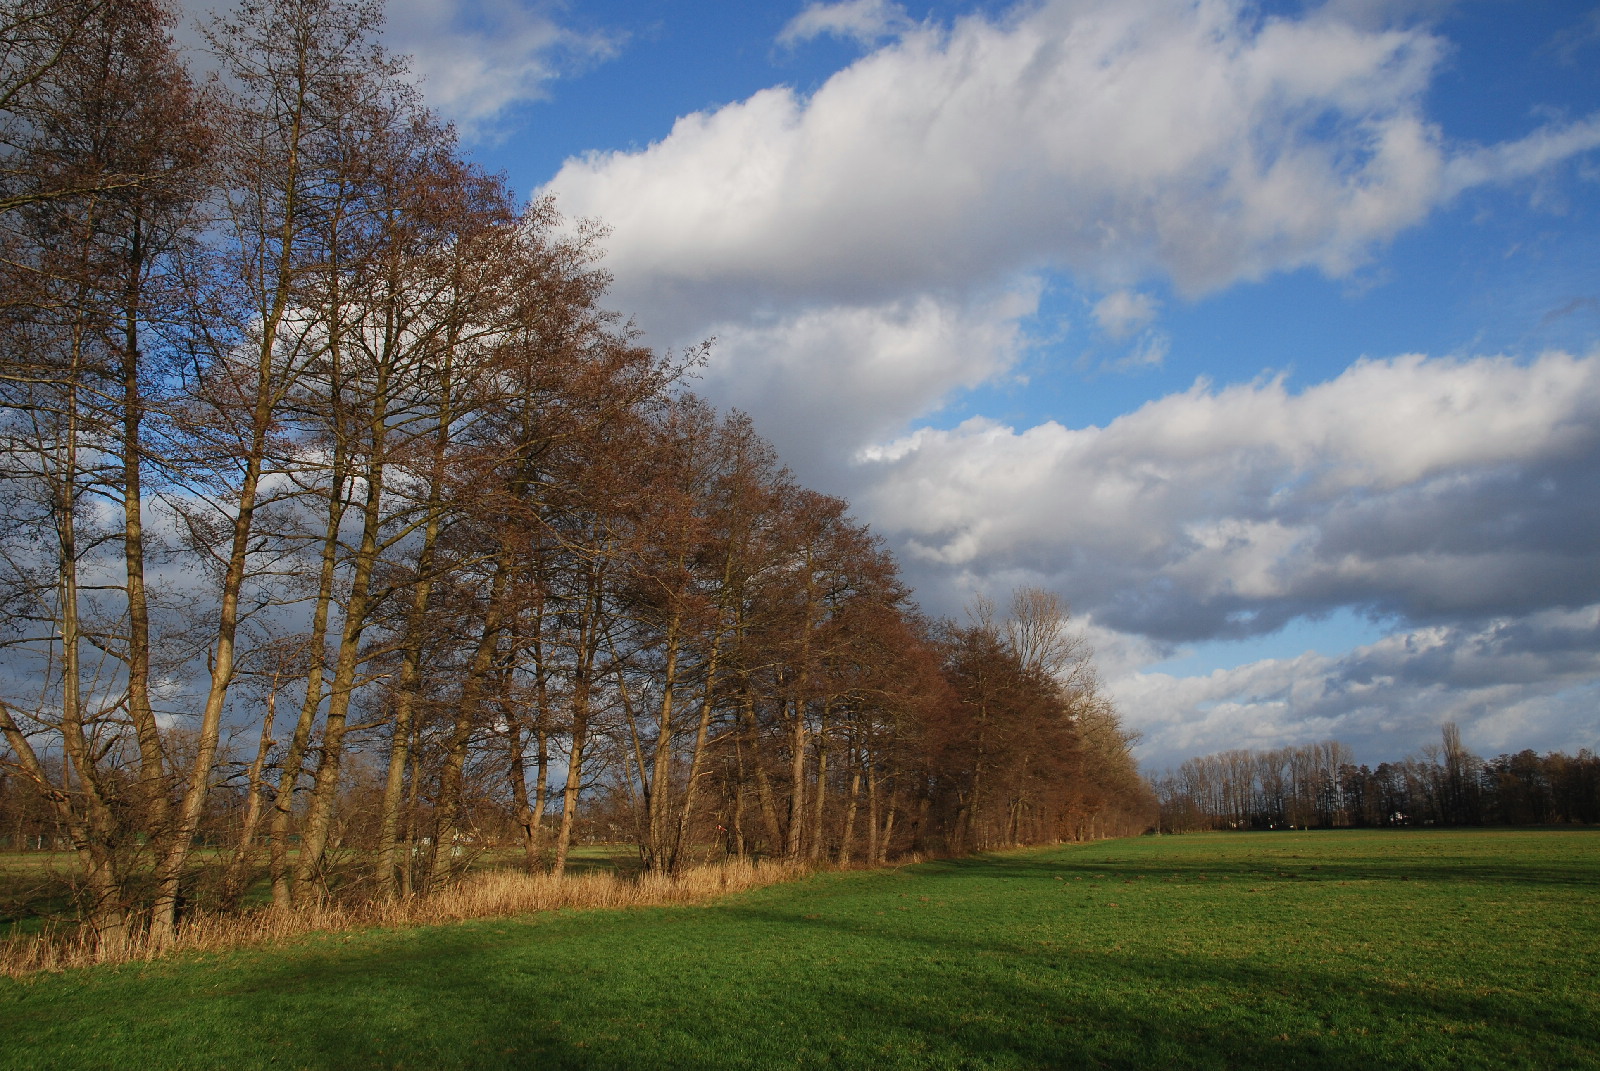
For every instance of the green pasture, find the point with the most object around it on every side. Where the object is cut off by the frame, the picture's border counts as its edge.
(1408, 949)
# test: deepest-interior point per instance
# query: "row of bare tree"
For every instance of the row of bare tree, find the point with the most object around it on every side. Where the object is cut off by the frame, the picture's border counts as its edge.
(1277, 788)
(346, 533)
(1320, 786)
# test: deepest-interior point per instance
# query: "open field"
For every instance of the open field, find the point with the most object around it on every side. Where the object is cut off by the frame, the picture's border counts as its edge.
(1406, 949)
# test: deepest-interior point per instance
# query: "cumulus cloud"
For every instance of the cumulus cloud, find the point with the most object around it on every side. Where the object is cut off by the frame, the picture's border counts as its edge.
(1119, 139)
(1510, 683)
(863, 21)
(478, 59)
(863, 251)
(829, 378)
(1430, 489)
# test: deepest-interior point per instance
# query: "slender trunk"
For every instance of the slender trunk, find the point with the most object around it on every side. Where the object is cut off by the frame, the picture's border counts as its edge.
(541, 788)
(569, 791)
(153, 790)
(818, 804)
(310, 870)
(169, 868)
(920, 824)
(888, 830)
(541, 736)
(94, 833)
(872, 814)
(797, 780)
(107, 913)
(406, 695)
(408, 839)
(236, 880)
(764, 793)
(847, 835)
(798, 728)
(517, 775)
(394, 781)
(316, 662)
(639, 783)
(657, 851)
(680, 840)
(468, 718)
(588, 641)
(738, 800)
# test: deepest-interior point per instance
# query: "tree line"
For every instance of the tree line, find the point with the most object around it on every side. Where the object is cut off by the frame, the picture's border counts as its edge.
(1319, 786)
(346, 533)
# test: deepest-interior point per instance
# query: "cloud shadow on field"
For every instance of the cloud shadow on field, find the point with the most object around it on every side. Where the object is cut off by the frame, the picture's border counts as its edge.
(816, 976)
(1276, 864)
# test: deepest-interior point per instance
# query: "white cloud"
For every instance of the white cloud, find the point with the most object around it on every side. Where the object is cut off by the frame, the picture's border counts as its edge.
(1119, 139)
(1149, 353)
(1509, 684)
(1122, 312)
(864, 21)
(847, 248)
(1519, 159)
(1123, 140)
(830, 378)
(1427, 488)
(478, 59)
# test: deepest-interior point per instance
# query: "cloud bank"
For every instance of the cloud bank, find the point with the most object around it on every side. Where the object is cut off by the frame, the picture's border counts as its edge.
(1122, 140)
(1508, 683)
(1425, 489)
(869, 251)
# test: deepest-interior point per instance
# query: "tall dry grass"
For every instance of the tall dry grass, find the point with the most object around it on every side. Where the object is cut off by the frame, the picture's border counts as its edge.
(487, 895)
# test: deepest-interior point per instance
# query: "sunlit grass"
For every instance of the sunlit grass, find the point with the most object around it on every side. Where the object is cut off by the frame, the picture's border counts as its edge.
(1319, 950)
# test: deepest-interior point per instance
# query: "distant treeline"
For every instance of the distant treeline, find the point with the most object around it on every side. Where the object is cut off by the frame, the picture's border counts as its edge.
(1319, 786)
(345, 534)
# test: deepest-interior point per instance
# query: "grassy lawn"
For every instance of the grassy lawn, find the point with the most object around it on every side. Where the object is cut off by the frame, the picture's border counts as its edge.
(1308, 950)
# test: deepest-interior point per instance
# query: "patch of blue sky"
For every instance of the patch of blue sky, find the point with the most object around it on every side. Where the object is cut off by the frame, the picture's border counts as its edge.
(1332, 635)
(670, 61)
(1493, 274)
(1510, 66)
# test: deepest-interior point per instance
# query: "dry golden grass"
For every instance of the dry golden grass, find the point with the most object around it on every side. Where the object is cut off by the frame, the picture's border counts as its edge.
(485, 895)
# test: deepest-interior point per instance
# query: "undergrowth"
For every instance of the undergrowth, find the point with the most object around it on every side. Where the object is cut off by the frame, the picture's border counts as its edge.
(489, 894)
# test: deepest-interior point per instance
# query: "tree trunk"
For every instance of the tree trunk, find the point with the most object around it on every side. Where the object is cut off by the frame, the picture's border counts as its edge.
(680, 839)
(847, 835)
(236, 881)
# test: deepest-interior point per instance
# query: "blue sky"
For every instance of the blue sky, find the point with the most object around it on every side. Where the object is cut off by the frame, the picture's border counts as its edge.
(1267, 334)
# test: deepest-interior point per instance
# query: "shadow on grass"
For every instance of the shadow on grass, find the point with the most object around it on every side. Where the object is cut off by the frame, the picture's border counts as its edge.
(809, 976)
(1307, 866)
(668, 991)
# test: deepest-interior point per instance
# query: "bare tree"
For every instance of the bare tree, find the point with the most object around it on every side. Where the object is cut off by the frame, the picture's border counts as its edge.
(108, 126)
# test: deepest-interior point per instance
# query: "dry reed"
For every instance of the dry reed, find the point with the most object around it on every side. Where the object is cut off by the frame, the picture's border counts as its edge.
(487, 895)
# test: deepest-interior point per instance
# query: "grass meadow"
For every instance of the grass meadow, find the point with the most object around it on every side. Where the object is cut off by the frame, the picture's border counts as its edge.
(1404, 949)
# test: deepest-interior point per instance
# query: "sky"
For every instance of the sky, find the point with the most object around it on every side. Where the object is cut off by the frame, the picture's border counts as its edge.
(1266, 334)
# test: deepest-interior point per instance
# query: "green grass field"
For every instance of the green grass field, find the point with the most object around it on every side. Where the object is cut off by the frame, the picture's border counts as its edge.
(1305, 950)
